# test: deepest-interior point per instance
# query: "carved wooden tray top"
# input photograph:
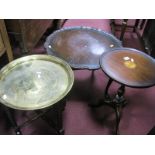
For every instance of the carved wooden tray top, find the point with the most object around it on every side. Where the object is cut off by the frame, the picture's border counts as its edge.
(130, 67)
(81, 47)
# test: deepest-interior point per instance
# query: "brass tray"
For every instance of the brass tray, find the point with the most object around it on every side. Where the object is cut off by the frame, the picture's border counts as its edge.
(35, 82)
(81, 46)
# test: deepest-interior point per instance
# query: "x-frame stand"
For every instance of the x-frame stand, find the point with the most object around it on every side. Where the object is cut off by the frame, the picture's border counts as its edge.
(58, 127)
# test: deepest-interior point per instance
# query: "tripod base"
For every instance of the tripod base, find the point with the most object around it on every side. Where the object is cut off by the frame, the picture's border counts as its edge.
(117, 103)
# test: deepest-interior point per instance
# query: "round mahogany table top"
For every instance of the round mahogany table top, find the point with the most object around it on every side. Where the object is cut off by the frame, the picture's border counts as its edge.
(129, 67)
(80, 46)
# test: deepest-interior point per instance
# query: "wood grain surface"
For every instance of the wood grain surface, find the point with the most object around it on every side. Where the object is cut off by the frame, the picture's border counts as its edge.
(129, 67)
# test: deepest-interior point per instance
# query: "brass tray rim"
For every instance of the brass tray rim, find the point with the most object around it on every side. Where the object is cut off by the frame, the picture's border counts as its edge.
(53, 52)
(45, 57)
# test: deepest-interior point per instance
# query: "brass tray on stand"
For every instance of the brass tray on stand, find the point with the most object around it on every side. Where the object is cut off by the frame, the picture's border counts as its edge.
(35, 82)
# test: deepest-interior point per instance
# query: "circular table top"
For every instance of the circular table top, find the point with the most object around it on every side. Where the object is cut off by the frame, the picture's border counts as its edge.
(81, 47)
(129, 67)
(35, 82)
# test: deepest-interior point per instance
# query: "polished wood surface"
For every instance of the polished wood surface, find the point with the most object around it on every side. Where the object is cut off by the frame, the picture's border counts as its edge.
(2, 47)
(81, 47)
(130, 67)
(28, 32)
(4, 41)
(33, 30)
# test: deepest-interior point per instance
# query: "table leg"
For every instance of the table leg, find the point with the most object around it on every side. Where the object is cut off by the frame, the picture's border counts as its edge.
(107, 99)
(124, 25)
(106, 95)
(136, 25)
(118, 117)
(60, 110)
(93, 75)
(12, 121)
(50, 123)
(58, 124)
(119, 101)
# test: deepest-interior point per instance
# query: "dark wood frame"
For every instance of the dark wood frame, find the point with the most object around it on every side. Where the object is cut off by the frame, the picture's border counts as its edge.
(6, 41)
(139, 25)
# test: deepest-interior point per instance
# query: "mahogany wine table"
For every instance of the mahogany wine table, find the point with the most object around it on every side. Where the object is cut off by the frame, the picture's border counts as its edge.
(129, 67)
